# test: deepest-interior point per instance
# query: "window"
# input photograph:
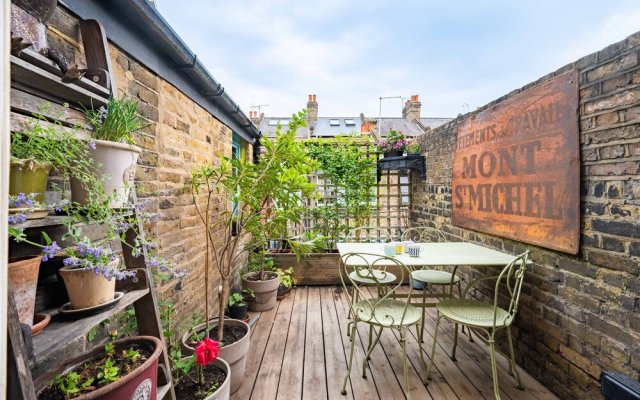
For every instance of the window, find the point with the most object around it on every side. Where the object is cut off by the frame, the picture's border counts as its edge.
(334, 122)
(350, 122)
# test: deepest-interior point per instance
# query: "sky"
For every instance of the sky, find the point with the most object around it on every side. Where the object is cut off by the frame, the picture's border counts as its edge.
(456, 55)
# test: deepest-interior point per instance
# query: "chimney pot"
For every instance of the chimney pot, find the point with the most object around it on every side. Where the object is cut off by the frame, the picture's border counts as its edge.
(310, 97)
(314, 97)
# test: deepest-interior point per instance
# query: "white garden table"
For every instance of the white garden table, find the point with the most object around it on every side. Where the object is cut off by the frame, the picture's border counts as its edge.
(435, 254)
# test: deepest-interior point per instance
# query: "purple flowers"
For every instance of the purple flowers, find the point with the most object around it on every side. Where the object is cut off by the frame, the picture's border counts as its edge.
(395, 141)
(92, 145)
(21, 201)
(50, 251)
(15, 219)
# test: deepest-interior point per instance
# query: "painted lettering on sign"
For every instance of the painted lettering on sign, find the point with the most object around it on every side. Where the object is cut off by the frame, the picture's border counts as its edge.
(516, 168)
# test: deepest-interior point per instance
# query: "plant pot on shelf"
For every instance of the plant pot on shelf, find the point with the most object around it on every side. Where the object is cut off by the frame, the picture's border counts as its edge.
(23, 281)
(393, 153)
(235, 354)
(114, 163)
(29, 176)
(266, 291)
(141, 383)
(223, 392)
(87, 289)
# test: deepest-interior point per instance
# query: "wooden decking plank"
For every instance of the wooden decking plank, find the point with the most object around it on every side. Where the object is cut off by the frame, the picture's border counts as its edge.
(360, 388)
(315, 378)
(259, 338)
(379, 369)
(334, 355)
(266, 386)
(290, 386)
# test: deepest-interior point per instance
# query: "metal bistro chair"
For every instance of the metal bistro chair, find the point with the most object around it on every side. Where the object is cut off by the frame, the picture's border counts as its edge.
(485, 319)
(432, 276)
(382, 311)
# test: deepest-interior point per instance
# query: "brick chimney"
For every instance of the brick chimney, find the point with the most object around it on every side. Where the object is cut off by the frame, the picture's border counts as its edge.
(255, 118)
(312, 111)
(411, 110)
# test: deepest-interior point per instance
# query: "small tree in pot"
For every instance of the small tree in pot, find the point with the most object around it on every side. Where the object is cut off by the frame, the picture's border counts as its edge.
(264, 197)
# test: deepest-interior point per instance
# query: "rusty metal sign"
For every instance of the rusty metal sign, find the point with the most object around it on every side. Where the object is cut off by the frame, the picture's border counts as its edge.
(516, 172)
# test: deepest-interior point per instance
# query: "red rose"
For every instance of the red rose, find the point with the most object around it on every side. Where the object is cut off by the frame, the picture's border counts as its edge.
(207, 351)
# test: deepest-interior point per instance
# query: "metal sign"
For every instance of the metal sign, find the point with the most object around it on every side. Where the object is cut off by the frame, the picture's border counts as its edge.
(516, 172)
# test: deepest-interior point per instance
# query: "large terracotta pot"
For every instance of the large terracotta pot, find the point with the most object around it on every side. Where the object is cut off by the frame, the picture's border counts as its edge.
(23, 281)
(140, 384)
(29, 176)
(87, 289)
(266, 292)
(235, 354)
(115, 163)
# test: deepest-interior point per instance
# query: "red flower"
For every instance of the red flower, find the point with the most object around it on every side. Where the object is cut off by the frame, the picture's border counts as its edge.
(207, 351)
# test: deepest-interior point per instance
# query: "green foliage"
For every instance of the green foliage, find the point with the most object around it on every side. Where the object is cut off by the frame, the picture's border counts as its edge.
(109, 349)
(70, 384)
(349, 164)
(108, 372)
(414, 148)
(236, 300)
(118, 122)
(131, 354)
(268, 195)
(286, 277)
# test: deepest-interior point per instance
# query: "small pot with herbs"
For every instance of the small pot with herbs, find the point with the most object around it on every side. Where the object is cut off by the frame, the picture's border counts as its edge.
(238, 304)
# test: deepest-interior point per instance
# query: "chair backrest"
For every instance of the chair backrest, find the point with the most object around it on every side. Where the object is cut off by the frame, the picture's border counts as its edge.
(366, 234)
(511, 278)
(374, 268)
(423, 234)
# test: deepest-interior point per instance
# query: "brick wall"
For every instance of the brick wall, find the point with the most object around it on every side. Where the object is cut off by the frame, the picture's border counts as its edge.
(180, 135)
(579, 314)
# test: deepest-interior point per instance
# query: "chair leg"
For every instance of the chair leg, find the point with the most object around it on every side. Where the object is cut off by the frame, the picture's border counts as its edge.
(424, 364)
(494, 368)
(455, 342)
(433, 351)
(460, 296)
(422, 316)
(354, 300)
(367, 357)
(405, 368)
(512, 363)
(350, 364)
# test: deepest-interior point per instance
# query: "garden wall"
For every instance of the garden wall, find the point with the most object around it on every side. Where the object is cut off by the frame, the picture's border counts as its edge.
(180, 135)
(579, 314)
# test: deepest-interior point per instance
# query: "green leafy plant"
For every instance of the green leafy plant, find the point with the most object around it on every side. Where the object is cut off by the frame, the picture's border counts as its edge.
(236, 300)
(414, 148)
(117, 122)
(131, 354)
(108, 372)
(286, 277)
(395, 141)
(266, 196)
(70, 384)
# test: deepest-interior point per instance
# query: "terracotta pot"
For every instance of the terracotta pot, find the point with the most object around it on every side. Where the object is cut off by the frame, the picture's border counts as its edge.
(266, 292)
(140, 384)
(29, 176)
(235, 354)
(224, 391)
(23, 281)
(86, 289)
(115, 163)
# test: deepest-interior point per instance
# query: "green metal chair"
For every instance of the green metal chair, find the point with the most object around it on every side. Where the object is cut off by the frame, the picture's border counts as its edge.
(432, 276)
(380, 312)
(486, 319)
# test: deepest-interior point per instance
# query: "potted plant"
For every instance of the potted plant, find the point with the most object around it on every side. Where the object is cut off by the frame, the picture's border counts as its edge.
(124, 369)
(40, 147)
(263, 280)
(286, 281)
(238, 304)
(394, 144)
(276, 184)
(213, 374)
(113, 153)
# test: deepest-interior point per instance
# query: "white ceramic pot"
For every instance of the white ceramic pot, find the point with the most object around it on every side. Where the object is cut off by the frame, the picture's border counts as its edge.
(224, 391)
(115, 163)
(87, 289)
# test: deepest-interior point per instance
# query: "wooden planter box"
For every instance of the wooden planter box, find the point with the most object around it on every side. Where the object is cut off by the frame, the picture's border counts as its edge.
(317, 269)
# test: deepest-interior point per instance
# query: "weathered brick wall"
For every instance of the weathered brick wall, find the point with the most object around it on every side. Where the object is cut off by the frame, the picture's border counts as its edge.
(579, 314)
(180, 135)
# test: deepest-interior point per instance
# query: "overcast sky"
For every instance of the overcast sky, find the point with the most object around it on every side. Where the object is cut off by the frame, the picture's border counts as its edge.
(351, 53)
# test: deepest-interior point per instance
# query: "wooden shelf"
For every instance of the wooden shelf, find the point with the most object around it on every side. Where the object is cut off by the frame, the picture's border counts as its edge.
(34, 71)
(50, 220)
(59, 333)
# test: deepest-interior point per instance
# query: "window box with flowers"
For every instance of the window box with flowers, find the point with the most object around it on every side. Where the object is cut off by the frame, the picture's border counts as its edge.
(394, 144)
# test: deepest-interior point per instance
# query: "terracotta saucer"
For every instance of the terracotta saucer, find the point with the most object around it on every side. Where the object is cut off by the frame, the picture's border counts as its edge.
(67, 311)
(39, 322)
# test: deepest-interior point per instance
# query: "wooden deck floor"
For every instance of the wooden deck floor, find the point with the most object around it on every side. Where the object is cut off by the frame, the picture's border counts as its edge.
(299, 351)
